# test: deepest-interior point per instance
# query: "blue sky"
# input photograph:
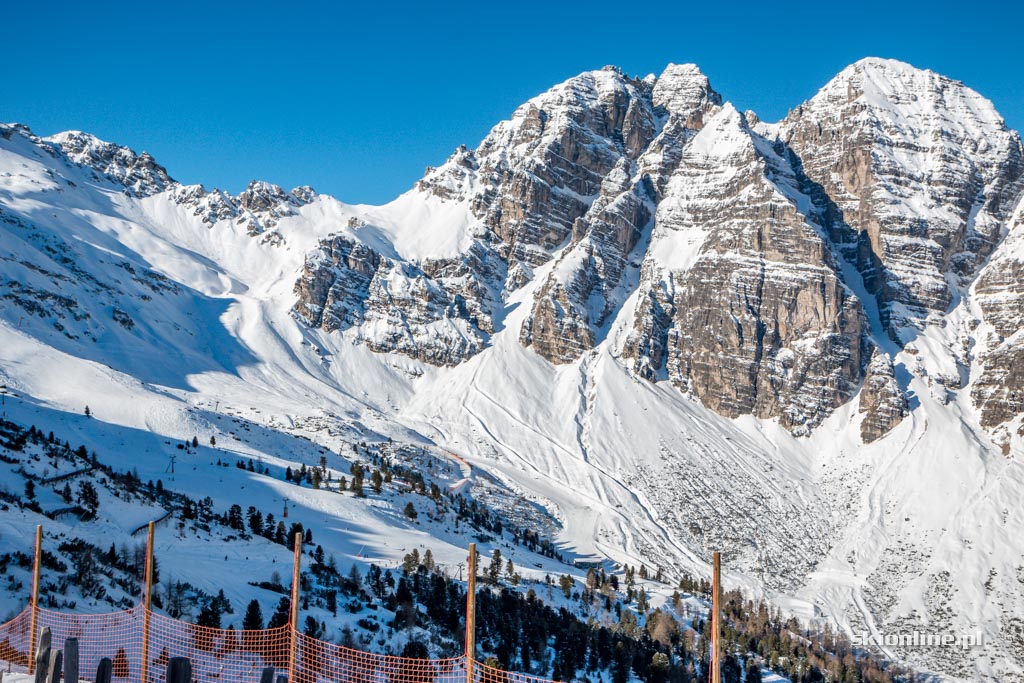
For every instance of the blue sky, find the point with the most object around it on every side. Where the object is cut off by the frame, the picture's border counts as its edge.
(356, 99)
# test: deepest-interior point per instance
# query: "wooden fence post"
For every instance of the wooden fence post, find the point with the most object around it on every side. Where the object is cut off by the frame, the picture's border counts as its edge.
(293, 654)
(35, 599)
(471, 616)
(147, 603)
(716, 618)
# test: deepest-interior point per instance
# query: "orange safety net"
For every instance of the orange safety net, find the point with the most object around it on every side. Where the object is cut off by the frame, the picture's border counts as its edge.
(322, 661)
(487, 674)
(117, 635)
(14, 637)
(226, 655)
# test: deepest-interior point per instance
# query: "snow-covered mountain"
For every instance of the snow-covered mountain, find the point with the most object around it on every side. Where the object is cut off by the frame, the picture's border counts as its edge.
(667, 324)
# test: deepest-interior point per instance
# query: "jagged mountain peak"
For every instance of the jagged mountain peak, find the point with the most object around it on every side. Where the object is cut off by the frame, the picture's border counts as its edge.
(888, 87)
(138, 172)
(683, 88)
(260, 195)
(921, 173)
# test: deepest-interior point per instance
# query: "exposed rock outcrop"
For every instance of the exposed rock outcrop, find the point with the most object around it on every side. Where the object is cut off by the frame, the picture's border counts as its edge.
(140, 175)
(740, 302)
(260, 207)
(881, 399)
(533, 176)
(583, 290)
(439, 314)
(998, 391)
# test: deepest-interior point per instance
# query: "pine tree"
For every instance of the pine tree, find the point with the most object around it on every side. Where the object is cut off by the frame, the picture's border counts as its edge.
(88, 497)
(731, 669)
(295, 528)
(659, 668)
(210, 615)
(253, 619)
(332, 602)
(279, 535)
(641, 601)
(494, 570)
(235, 520)
(223, 603)
(213, 441)
(281, 614)
(410, 510)
(411, 561)
(255, 521)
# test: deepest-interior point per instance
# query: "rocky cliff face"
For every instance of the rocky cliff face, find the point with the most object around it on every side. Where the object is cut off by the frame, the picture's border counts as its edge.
(740, 300)
(581, 293)
(533, 176)
(438, 313)
(140, 175)
(260, 207)
(921, 172)
(999, 389)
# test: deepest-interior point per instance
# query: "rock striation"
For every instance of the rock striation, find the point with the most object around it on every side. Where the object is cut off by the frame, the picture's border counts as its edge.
(998, 390)
(921, 173)
(740, 302)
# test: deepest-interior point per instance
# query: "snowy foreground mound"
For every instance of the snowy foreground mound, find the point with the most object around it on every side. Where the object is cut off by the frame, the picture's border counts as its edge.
(661, 325)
